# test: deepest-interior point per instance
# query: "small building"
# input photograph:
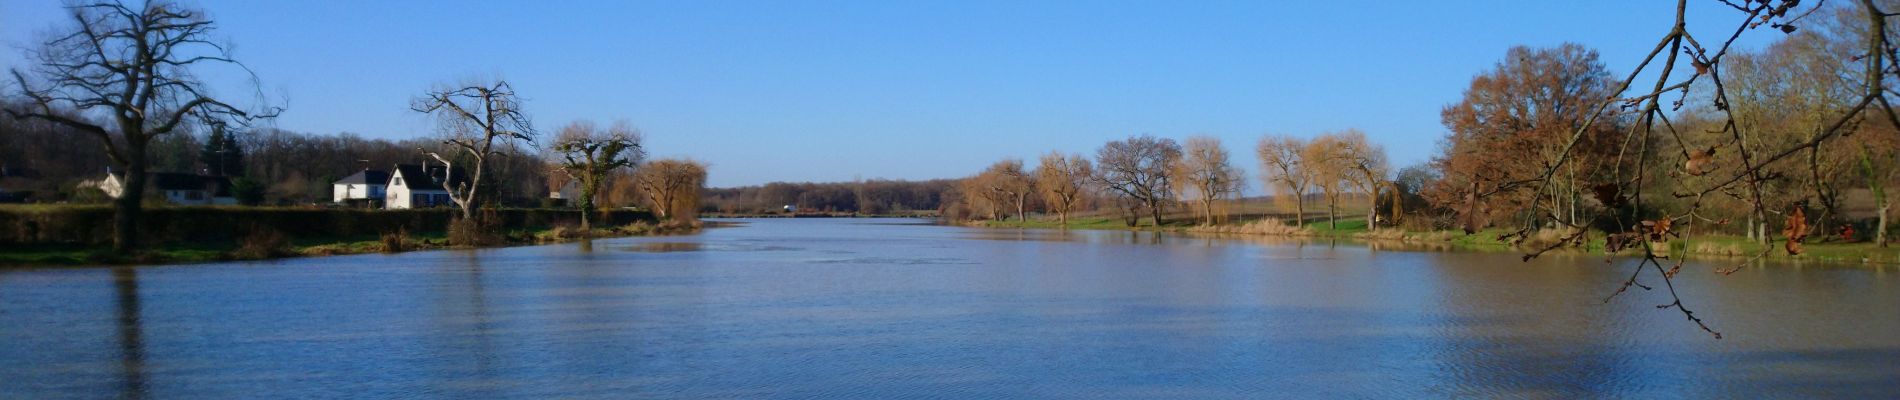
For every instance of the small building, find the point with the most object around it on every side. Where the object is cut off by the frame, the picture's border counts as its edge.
(421, 186)
(174, 188)
(364, 188)
(567, 192)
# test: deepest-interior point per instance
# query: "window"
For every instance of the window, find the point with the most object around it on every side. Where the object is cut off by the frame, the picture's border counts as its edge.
(398, 181)
(194, 195)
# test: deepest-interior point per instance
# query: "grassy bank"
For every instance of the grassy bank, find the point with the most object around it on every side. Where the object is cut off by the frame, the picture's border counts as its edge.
(1704, 246)
(196, 252)
(79, 235)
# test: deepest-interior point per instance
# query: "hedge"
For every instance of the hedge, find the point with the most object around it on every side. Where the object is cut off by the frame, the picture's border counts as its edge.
(93, 224)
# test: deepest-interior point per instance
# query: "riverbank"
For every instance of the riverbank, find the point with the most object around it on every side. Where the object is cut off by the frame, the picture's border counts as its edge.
(1706, 246)
(63, 235)
(821, 214)
(66, 254)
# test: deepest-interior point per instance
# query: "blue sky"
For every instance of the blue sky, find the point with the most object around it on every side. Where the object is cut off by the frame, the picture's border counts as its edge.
(834, 91)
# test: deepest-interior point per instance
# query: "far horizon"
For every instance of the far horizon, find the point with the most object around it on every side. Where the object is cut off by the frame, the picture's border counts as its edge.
(846, 91)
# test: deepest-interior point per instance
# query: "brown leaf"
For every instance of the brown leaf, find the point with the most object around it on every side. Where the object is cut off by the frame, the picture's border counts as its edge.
(1796, 230)
(1700, 162)
(1658, 229)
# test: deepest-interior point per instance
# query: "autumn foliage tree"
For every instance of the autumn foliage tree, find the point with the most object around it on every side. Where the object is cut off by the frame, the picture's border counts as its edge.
(1527, 109)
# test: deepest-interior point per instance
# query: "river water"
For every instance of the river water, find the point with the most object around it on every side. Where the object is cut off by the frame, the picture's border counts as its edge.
(877, 308)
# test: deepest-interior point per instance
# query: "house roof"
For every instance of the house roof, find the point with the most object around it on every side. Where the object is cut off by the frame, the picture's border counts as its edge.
(366, 177)
(434, 182)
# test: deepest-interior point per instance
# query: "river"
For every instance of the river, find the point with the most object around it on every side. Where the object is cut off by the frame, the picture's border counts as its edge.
(892, 308)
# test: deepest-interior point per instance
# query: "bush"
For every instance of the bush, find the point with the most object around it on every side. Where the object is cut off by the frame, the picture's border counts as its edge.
(1267, 226)
(395, 242)
(263, 242)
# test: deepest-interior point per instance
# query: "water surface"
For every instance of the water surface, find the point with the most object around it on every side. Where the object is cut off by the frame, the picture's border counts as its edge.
(900, 309)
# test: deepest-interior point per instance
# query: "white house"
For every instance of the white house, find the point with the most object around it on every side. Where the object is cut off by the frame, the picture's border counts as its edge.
(569, 191)
(363, 187)
(174, 188)
(418, 186)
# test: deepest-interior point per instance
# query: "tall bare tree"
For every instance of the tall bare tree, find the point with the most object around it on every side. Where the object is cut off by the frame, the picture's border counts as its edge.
(589, 155)
(1140, 168)
(1010, 182)
(124, 75)
(1323, 158)
(1208, 175)
(1063, 179)
(1365, 165)
(1280, 165)
(671, 186)
(480, 120)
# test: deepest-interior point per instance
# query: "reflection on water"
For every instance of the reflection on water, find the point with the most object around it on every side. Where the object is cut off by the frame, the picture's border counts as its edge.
(896, 309)
(125, 282)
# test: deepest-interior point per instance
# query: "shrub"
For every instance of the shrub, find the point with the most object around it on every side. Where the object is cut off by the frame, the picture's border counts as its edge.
(1266, 226)
(263, 242)
(394, 242)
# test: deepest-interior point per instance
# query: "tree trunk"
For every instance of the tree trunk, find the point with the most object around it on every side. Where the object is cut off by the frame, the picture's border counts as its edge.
(1022, 214)
(1207, 210)
(1880, 232)
(126, 209)
(1299, 210)
(1332, 211)
(1372, 209)
(1749, 230)
(588, 188)
(1062, 213)
(1154, 208)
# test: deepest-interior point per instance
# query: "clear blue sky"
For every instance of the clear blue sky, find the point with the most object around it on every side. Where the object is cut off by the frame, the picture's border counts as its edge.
(832, 91)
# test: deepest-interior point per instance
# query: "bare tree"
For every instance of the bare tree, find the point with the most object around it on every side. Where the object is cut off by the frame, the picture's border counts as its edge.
(1208, 174)
(1008, 179)
(1365, 165)
(1281, 165)
(589, 155)
(1323, 160)
(979, 197)
(130, 66)
(1063, 180)
(479, 120)
(671, 186)
(1141, 169)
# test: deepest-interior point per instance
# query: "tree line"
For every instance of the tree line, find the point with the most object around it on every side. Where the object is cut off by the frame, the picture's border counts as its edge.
(1146, 176)
(116, 85)
(874, 197)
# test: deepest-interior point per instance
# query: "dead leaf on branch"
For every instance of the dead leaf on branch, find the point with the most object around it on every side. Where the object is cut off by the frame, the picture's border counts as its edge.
(1658, 230)
(1700, 162)
(1796, 230)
